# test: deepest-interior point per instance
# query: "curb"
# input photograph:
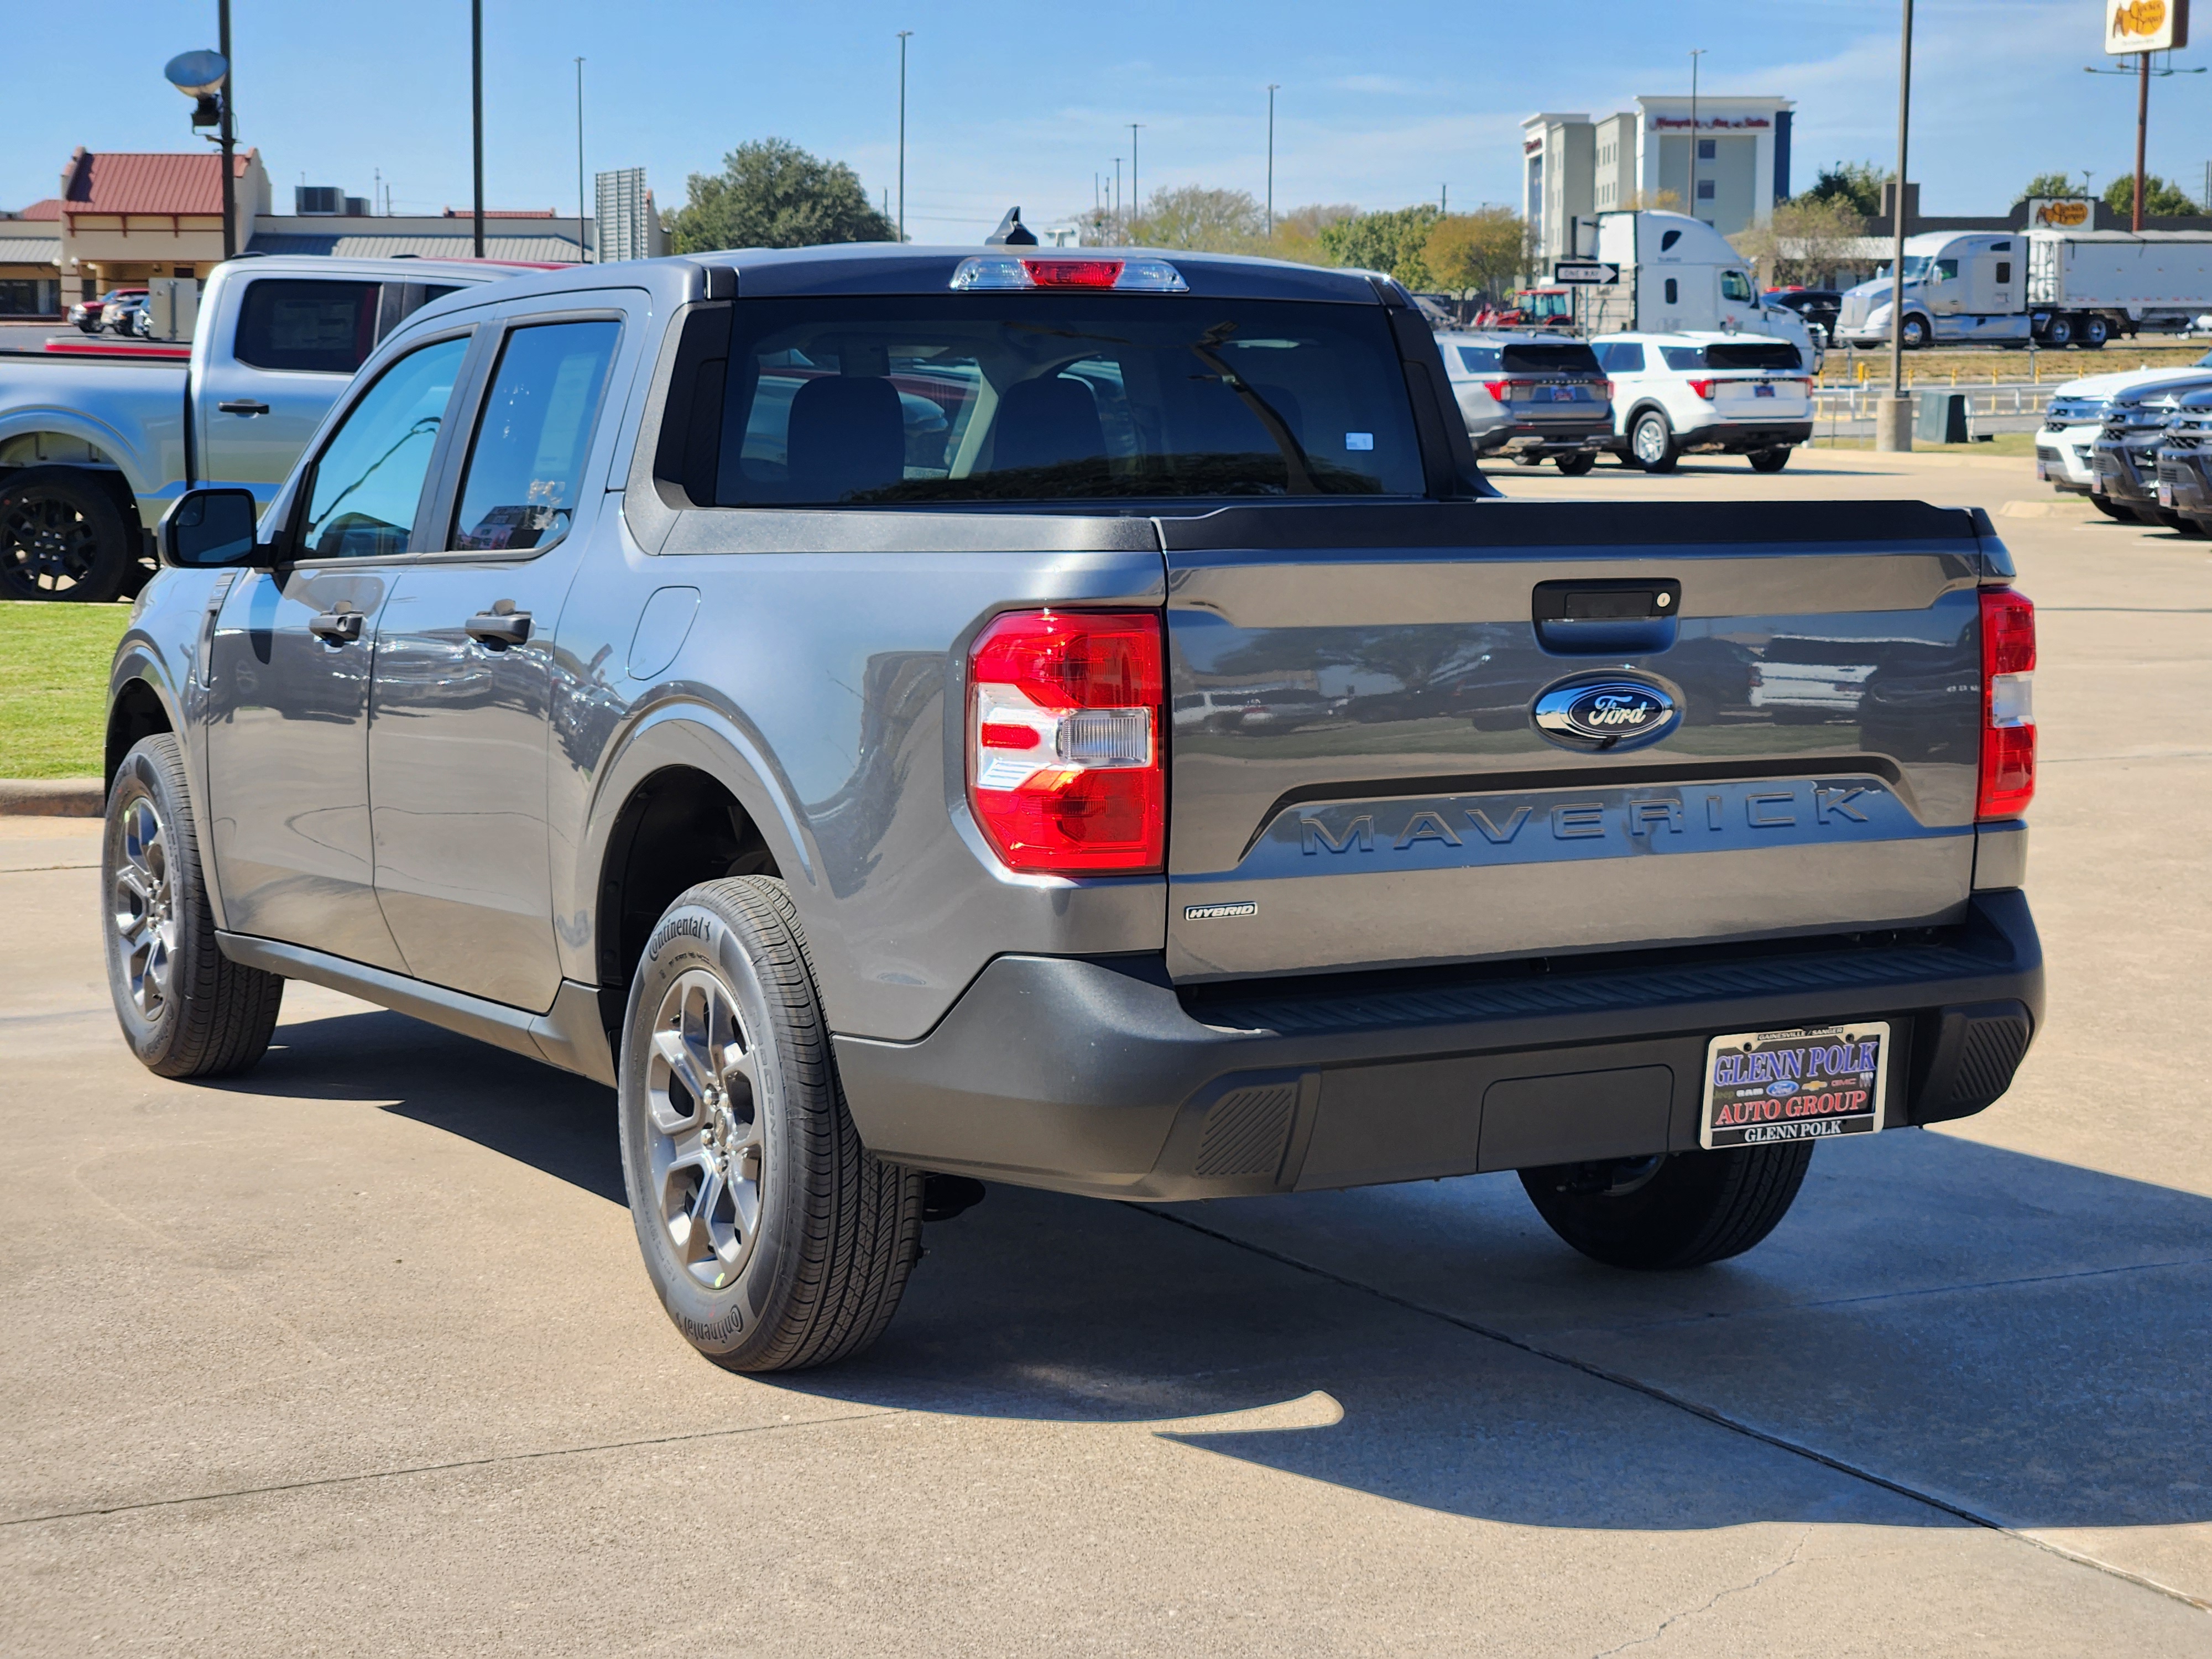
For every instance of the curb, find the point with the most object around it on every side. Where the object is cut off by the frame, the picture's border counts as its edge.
(2064, 506)
(52, 797)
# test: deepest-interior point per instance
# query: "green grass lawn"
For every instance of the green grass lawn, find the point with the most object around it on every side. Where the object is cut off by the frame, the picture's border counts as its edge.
(54, 686)
(2019, 444)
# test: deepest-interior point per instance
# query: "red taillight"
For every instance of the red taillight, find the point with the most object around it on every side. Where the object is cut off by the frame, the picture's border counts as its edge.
(1506, 391)
(1703, 388)
(1073, 273)
(1065, 772)
(2007, 705)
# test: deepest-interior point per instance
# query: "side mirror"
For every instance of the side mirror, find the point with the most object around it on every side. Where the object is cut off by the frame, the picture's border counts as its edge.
(204, 527)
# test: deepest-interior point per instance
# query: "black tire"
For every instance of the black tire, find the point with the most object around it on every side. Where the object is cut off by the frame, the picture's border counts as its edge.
(1651, 442)
(814, 1274)
(187, 1009)
(1681, 1210)
(2095, 331)
(1768, 460)
(1527, 457)
(2113, 509)
(1916, 333)
(1574, 464)
(62, 536)
(89, 326)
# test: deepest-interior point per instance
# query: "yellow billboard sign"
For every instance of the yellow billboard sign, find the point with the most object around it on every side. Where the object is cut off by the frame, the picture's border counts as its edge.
(2062, 212)
(2145, 25)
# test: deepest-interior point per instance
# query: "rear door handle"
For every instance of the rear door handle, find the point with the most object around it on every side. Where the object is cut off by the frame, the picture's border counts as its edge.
(338, 627)
(500, 628)
(242, 406)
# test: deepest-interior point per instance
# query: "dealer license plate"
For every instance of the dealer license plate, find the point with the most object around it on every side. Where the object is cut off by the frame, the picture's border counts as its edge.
(2166, 495)
(1762, 391)
(1814, 1083)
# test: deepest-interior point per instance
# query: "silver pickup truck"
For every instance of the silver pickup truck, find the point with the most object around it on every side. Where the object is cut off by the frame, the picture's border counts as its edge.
(93, 452)
(747, 680)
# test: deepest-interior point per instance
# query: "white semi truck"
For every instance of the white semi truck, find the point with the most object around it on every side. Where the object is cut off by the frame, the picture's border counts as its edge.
(2057, 288)
(1677, 274)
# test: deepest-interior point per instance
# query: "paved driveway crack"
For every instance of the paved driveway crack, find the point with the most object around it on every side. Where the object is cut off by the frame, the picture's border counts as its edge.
(1715, 1600)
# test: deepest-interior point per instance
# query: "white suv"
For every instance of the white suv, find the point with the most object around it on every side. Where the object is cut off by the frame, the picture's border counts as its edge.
(2066, 444)
(1706, 393)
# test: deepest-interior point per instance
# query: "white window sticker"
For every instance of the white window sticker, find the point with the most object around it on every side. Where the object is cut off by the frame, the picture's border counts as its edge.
(1359, 440)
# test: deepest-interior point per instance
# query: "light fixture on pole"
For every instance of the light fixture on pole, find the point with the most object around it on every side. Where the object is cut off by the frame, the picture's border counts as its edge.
(1690, 206)
(204, 77)
(476, 113)
(583, 247)
(1273, 88)
(904, 36)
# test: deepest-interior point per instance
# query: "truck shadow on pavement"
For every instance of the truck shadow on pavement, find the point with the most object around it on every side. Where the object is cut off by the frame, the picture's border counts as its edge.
(2017, 1338)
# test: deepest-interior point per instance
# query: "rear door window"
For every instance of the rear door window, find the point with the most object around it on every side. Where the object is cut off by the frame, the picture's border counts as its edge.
(969, 397)
(310, 326)
(1621, 356)
(1482, 360)
(525, 471)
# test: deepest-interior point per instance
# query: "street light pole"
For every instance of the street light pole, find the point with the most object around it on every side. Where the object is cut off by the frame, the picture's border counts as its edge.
(1120, 229)
(1136, 196)
(1891, 432)
(1691, 208)
(583, 248)
(902, 37)
(475, 109)
(1273, 88)
(228, 132)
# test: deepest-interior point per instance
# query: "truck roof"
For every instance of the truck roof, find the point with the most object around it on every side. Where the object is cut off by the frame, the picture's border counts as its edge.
(884, 268)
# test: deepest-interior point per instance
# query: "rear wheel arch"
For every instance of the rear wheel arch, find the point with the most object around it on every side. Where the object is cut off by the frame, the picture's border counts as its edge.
(677, 808)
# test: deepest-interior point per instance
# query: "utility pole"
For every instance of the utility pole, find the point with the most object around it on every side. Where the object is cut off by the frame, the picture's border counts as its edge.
(1275, 86)
(475, 109)
(1121, 229)
(228, 132)
(1136, 196)
(1891, 430)
(583, 248)
(1443, 202)
(1690, 207)
(904, 35)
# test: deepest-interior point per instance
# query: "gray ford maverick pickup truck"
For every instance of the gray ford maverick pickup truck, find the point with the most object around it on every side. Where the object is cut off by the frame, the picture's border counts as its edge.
(759, 681)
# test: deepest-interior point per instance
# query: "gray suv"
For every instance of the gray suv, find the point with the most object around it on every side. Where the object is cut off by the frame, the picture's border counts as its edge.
(752, 681)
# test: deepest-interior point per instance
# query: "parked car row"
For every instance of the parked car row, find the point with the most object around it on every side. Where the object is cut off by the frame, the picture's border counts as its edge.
(2109, 436)
(118, 311)
(1649, 399)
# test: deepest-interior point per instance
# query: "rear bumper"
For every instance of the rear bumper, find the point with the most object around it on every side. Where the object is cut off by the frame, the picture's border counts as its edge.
(1099, 1077)
(1551, 437)
(1733, 437)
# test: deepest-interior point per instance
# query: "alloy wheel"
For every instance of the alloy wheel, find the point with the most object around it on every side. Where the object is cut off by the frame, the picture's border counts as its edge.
(1650, 440)
(45, 544)
(143, 909)
(708, 1128)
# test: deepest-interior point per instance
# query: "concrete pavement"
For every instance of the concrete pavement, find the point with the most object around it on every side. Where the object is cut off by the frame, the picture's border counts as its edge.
(355, 1355)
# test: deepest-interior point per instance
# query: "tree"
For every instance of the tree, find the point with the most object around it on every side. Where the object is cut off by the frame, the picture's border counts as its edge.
(771, 193)
(1653, 201)
(1483, 251)
(1388, 241)
(2049, 184)
(2159, 196)
(1297, 233)
(1804, 243)
(1857, 183)
(1203, 220)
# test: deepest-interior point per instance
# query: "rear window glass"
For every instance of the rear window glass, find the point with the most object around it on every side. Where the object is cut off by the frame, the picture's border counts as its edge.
(1528, 359)
(320, 327)
(1734, 353)
(998, 397)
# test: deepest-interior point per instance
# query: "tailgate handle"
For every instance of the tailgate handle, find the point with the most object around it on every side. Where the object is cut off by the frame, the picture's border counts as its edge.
(1609, 615)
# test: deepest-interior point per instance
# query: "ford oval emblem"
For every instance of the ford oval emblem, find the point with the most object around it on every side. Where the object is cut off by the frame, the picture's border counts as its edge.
(1615, 713)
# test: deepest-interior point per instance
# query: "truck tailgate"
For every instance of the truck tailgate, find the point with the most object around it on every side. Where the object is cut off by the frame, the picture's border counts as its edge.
(1790, 747)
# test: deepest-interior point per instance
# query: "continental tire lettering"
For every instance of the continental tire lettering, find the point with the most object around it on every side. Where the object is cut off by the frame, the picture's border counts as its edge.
(712, 1331)
(699, 928)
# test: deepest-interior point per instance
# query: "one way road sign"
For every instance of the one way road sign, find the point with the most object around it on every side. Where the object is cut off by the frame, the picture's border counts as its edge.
(1585, 273)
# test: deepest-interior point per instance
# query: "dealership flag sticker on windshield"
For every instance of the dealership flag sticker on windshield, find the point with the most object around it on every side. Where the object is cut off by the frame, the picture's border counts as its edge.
(1763, 1088)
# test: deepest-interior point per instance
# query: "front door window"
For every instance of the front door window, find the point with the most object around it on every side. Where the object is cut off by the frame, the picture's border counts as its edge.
(369, 480)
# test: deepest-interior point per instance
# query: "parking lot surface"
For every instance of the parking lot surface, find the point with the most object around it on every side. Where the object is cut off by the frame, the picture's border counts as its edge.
(355, 1354)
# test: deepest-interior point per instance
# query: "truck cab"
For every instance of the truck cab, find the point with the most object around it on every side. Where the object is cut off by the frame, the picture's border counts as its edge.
(1957, 288)
(1679, 273)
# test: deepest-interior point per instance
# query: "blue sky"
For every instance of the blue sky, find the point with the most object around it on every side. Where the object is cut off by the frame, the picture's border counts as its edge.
(1024, 103)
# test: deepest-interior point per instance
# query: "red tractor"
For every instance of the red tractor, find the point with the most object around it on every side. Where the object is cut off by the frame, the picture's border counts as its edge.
(1551, 308)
